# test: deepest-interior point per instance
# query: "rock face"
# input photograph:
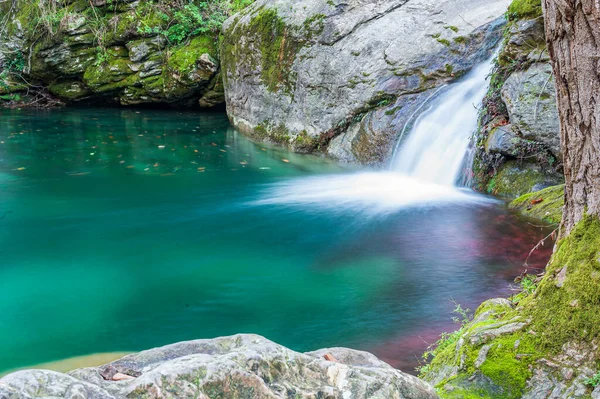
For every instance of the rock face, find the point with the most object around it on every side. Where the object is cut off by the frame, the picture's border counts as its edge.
(530, 98)
(121, 51)
(518, 144)
(301, 73)
(241, 366)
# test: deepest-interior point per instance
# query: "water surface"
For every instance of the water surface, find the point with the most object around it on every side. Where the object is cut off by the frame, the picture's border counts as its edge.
(122, 230)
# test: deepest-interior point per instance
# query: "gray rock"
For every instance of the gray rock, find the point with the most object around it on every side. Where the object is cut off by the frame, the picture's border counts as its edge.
(131, 67)
(530, 98)
(503, 140)
(486, 333)
(33, 384)
(241, 366)
(482, 356)
(341, 62)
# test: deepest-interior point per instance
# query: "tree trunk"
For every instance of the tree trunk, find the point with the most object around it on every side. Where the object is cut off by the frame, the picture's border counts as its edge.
(573, 36)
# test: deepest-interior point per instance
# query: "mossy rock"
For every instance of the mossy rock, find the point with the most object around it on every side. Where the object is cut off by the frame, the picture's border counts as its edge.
(515, 179)
(110, 76)
(566, 306)
(546, 204)
(520, 9)
(71, 90)
(558, 324)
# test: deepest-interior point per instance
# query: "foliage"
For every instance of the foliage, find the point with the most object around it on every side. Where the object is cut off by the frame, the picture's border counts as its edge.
(525, 9)
(528, 284)
(462, 318)
(594, 381)
(186, 19)
(13, 65)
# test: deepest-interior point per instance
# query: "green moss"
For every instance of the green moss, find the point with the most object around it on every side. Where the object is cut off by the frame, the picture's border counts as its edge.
(113, 75)
(504, 371)
(564, 308)
(69, 90)
(546, 204)
(452, 28)
(265, 131)
(183, 58)
(519, 9)
(515, 179)
(568, 309)
(445, 42)
(278, 44)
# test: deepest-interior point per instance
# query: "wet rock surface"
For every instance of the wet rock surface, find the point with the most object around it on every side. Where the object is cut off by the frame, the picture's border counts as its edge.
(301, 73)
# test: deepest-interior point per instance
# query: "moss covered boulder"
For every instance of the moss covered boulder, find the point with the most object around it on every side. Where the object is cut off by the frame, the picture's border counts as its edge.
(546, 204)
(121, 51)
(543, 343)
(344, 77)
(516, 178)
(237, 367)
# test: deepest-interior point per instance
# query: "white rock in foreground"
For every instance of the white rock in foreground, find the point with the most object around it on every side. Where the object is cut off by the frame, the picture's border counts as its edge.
(240, 366)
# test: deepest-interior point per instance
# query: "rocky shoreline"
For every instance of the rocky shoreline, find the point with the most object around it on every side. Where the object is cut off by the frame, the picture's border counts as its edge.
(240, 366)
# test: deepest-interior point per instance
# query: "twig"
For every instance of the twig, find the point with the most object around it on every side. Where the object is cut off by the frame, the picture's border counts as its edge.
(540, 244)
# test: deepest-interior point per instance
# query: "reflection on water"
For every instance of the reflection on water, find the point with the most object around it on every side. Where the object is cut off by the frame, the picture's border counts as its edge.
(122, 230)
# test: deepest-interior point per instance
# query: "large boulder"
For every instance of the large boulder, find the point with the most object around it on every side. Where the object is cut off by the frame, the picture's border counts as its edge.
(530, 97)
(240, 366)
(518, 143)
(302, 73)
(127, 52)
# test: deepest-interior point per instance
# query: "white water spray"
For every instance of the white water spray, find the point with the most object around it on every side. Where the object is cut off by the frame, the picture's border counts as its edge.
(424, 170)
(436, 148)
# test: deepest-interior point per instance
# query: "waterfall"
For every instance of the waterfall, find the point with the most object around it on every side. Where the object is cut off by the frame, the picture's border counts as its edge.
(425, 169)
(436, 147)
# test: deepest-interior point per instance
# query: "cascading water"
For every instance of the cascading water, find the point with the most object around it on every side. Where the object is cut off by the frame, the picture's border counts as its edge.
(424, 170)
(438, 143)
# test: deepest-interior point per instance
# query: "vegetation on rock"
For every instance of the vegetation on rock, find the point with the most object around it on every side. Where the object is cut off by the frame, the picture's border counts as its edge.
(132, 53)
(503, 141)
(546, 344)
(546, 204)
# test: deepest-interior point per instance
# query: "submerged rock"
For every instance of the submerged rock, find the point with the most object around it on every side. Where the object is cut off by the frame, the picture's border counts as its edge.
(301, 73)
(240, 366)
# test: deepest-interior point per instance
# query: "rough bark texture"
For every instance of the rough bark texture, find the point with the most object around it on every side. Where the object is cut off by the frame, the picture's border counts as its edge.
(573, 36)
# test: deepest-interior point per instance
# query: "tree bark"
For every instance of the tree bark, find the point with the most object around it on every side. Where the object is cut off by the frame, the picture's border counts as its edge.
(573, 36)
